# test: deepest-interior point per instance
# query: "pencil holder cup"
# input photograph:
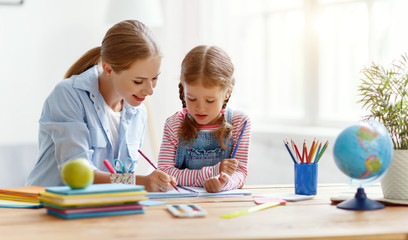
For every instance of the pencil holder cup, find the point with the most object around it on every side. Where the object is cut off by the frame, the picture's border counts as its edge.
(306, 179)
(128, 178)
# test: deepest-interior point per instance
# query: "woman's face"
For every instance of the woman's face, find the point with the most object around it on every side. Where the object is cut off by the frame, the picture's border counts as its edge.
(204, 104)
(137, 82)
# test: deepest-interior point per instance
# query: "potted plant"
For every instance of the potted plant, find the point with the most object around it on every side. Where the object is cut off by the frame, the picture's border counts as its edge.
(384, 94)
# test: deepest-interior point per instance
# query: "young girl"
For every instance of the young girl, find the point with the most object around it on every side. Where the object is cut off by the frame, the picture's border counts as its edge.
(199, 140)
(100, 115)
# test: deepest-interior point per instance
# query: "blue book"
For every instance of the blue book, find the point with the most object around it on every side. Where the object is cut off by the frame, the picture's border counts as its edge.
(96, 189)
(95, 214)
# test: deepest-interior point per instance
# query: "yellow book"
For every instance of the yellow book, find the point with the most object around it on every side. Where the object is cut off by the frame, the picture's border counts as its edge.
(92, 201)
(94, 194)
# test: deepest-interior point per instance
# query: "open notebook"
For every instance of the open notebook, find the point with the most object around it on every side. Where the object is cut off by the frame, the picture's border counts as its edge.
(195, 192)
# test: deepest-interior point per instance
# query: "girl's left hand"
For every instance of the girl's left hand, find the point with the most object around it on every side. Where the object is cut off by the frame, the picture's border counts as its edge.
(215, 184)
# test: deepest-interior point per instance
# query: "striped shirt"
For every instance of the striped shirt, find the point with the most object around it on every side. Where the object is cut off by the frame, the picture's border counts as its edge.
(193, 177)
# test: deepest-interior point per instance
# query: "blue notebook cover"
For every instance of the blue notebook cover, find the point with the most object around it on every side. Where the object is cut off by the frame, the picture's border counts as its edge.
(96, 188)
(95, 214)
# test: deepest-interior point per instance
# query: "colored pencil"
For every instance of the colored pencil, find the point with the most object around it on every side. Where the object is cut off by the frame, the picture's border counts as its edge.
(311, 151)
(109, 166)
(290, 153)
(148, 160)
(239, 140)
(321, 153)
(305, 152)
(300, 158)
(317, 152)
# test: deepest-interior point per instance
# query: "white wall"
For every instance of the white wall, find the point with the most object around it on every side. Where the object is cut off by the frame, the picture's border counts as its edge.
(42, 38)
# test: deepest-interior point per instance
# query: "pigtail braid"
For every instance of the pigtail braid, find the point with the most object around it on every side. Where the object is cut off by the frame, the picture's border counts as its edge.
(181, 95)
(188, 131)
(224, 132)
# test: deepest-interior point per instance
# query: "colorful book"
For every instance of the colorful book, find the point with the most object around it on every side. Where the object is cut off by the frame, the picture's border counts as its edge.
(95, 214)
(195, 192)
(96, 189)
(96, 200)
(18, 204)
(53, 205)
(96, 209)
(89, 199)
(23, 194)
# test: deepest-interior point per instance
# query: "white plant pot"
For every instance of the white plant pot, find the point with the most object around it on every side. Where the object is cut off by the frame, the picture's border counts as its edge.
(395, 182)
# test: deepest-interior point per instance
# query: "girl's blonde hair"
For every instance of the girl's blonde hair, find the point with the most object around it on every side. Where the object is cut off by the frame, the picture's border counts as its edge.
(123, 44)
(209, 66)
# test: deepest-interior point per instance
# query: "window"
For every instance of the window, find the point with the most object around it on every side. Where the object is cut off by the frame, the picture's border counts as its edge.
(299, 61)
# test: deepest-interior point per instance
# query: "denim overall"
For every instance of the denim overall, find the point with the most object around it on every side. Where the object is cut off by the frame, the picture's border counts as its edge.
(206, 150)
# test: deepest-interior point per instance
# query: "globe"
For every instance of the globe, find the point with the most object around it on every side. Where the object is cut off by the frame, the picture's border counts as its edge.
(364, 153)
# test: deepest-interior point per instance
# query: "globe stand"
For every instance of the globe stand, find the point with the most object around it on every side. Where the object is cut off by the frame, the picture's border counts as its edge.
(360, 202)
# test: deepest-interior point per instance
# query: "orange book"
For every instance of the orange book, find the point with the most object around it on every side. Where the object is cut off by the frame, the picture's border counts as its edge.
(25, 193)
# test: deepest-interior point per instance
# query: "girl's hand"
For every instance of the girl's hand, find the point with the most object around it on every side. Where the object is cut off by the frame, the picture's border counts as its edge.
(215, 184)
(158, 181)
(228, 166)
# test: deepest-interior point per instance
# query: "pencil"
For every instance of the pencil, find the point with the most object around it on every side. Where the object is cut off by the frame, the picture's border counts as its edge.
(305, 152)
(290, 153)
(239, 140)
(300, 158)
(109, 166)
(317, 153)
(294, 152)
(311, 151)
(147, 159)
(321, 153)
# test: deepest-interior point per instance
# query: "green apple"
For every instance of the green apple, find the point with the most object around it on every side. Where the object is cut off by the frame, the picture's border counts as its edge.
(77, 173)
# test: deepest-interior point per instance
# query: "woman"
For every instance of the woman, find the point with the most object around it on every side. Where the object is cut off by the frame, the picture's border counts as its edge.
(100, 115)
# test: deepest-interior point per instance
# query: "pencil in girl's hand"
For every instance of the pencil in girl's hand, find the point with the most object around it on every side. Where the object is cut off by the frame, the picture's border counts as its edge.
(239, 140)
(290, 153)
(148, 160)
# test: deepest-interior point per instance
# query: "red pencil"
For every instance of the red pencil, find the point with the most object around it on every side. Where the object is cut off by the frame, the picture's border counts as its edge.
(297, 151)
(155, 167)
(109, 166)
(304, 159)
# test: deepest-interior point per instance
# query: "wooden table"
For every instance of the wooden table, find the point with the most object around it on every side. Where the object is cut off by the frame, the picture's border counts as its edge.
(310, 219)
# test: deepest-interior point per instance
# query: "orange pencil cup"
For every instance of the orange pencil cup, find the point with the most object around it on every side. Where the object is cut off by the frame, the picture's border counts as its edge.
(306, 179)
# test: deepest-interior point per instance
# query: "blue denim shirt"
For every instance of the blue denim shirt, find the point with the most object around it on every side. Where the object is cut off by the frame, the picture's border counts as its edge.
(206, 150)
(74, 124)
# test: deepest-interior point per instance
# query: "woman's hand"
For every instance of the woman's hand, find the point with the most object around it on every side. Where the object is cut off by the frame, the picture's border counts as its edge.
(215, 184)
(158, 181)
(228, 166)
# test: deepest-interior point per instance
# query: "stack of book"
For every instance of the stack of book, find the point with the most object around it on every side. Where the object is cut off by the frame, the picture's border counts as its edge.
(96, 200)
(21, 197)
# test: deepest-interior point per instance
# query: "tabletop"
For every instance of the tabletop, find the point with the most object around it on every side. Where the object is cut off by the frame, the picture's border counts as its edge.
(316, 218)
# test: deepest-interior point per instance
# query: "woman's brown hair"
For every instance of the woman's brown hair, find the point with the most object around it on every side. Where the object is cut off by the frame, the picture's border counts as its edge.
(124, 43)
(209, 66)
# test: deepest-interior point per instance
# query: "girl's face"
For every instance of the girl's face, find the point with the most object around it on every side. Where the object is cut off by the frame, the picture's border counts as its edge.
(204, 104)
(136, 83)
